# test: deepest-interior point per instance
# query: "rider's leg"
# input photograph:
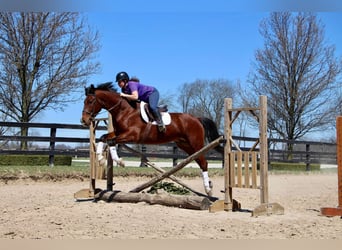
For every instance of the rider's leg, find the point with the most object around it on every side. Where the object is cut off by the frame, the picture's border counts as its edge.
(153, 103)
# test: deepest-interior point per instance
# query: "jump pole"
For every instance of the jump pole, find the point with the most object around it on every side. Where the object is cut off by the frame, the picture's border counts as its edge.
(178, 167)
(337, 211)
(160, 170)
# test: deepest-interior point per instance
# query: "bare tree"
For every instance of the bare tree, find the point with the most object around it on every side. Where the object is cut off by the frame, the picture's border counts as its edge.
(298, 72)
(167, 98)
(44, 58)
(186, 96)
(206, 98)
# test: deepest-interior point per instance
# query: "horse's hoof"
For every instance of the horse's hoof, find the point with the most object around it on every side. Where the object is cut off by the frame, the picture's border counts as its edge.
(209, 192)
(211, 185)
(103, 162)
(120, 162)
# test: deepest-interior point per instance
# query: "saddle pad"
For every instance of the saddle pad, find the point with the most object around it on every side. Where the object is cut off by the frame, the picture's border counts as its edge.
(165, 115)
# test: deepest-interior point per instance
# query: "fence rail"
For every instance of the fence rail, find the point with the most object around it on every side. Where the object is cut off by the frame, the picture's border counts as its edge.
(303, 151)
(52, 139)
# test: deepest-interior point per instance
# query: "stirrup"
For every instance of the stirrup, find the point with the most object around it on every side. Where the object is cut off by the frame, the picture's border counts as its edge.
(161, 128)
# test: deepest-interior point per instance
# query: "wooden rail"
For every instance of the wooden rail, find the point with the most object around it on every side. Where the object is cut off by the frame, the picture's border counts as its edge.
(52, 139)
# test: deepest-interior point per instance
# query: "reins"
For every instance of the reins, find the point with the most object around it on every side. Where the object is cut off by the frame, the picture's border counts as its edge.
(114, 106)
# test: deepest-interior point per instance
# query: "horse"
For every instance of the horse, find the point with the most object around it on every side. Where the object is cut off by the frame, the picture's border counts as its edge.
(190, 133)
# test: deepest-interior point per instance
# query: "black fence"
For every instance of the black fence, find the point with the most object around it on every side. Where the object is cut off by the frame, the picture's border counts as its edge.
(302, 151)
(7, 139)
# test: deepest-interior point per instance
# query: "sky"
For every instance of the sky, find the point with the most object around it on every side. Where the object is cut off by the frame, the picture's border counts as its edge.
(169, 43)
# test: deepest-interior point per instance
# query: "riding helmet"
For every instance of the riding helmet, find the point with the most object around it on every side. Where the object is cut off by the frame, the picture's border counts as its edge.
(122, 76)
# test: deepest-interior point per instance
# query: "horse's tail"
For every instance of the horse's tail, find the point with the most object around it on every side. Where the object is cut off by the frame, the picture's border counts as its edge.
(211, 132)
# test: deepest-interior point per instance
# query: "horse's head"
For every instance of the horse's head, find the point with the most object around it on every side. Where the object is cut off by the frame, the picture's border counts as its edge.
(91, 107)
(92, 104)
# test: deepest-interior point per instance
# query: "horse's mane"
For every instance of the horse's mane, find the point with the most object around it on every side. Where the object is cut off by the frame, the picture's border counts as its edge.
(107, 86)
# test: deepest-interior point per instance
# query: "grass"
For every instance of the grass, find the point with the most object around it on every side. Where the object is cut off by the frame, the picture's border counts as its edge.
(43, 172)
(80, 170)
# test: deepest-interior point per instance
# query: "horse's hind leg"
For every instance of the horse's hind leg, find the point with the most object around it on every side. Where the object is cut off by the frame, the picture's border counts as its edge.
(203, 164)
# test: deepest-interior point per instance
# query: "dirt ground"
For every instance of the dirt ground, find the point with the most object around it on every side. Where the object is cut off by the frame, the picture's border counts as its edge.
(47, 210)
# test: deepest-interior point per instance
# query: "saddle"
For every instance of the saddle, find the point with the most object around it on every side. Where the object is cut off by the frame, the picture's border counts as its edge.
(148, 117)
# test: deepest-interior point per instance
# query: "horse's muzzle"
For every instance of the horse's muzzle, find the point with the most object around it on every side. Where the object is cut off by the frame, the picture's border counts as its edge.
(84, 122)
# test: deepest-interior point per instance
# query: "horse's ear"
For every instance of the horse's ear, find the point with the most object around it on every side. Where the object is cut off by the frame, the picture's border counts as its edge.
(90, 90)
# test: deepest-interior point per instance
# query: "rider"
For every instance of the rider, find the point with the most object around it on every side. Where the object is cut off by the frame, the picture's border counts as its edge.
(134, 90)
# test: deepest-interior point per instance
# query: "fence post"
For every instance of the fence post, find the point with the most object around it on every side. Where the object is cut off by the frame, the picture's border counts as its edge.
(263, 149)
(307, 157)
(228, 168)
(142, 162)
(174, 159)
(337, 211)
(109, 157)
(92, 158)
(52, 146)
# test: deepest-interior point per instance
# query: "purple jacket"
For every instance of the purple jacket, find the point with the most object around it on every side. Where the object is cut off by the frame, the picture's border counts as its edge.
(144, 91)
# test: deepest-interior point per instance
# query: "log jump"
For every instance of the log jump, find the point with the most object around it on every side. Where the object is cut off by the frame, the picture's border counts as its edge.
(180, 201)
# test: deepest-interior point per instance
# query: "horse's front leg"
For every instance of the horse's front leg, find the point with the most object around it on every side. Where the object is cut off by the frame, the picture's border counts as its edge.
(113, 139)
(109, 138)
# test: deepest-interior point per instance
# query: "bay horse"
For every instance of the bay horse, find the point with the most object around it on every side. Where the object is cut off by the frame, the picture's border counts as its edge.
(187, 131)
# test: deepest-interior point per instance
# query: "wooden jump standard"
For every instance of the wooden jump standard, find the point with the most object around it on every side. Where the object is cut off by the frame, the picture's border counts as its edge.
(337, 211)
(234, 176)
(96, 171)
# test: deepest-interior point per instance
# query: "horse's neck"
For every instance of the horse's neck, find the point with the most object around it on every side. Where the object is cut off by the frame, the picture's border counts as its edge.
(117, 105)
(108, 100)
(124, 112)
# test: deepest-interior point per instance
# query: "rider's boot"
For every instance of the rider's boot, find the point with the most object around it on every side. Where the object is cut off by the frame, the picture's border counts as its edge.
(159, 120)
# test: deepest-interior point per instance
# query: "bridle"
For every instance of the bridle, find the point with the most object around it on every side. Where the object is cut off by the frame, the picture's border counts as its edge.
(93, 114)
